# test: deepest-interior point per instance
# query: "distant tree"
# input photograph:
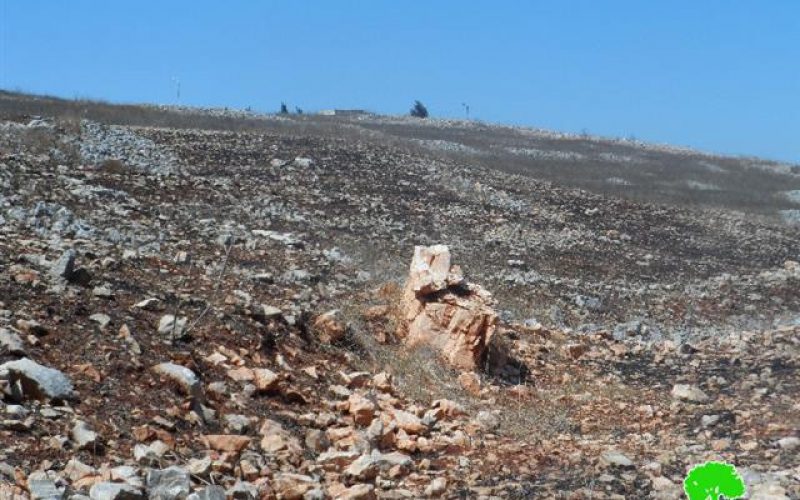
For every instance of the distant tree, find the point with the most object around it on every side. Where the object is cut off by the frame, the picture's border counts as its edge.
(298, 110)
(419, 110)
(284, 109)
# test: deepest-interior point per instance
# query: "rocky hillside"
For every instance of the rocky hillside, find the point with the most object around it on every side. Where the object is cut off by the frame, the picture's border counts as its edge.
(202, 312)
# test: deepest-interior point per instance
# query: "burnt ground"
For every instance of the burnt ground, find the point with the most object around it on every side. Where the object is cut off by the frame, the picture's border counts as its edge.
(623, 300)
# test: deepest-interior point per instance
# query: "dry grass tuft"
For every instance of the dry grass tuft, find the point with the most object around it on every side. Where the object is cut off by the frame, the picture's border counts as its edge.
(421, 376)
(114, 167)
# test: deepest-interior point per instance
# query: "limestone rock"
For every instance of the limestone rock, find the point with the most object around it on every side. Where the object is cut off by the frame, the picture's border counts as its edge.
(103, 292)
(208, 493)
(149, 304)
(358, 492)
(169, 325)
(45, 489)
(690, 393)
(101, 319)
(265, 379)
(64, 266)
(329, 327)
(10, 343)
(361, 408)
(226, 442)
(37, 381)
(242, 491)
(409, 422)
(115, 491)
(613, 458)
(185, 377)
(437, 487)
(368, 465)
(290, 485)
(172, 483)
(789, 443)
(303, 162)
(84, 437)
(442, 311)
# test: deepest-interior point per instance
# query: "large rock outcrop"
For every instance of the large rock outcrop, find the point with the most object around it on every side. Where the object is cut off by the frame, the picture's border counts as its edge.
(442, 310)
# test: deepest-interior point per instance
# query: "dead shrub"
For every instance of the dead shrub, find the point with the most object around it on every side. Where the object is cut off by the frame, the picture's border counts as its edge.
(114, 167)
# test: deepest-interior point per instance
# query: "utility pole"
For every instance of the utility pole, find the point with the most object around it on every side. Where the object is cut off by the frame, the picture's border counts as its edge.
(176, 81)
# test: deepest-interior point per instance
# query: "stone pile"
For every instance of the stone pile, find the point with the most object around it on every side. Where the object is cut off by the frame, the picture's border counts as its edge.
(442, 310)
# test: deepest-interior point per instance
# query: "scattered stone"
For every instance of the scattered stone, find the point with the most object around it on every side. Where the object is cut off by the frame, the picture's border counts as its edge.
(409, 422)
(150, 454)
(103, 292)
(171, 327)
(615, 458)
(237, 424)
(32, 327)
(368, 465)
(291, 485)
(361, 408)
(37, 381)
(316, 440)
(172, 483)
(789, 443)
(265, 380)
(264, 312)
(85, 438)
(182, 258)
(364, 468)
(242, 374)
(226, 442)
(689, 393)
(199, 466)
(185, 377)
(208, 493)
(45, 489)
(303, 162)
(101, 319)
(470, 382)
(75, 470)
(437, 487)
(329, 327)
(115, 491)
(148, 304)
(358, 492)
(64, 267)
(487, 420)
(10, 343)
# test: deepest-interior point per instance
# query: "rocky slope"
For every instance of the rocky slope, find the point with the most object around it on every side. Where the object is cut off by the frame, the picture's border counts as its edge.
(202, 313)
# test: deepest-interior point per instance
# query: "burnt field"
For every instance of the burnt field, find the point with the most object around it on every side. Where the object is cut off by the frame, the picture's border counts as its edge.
(134, 236)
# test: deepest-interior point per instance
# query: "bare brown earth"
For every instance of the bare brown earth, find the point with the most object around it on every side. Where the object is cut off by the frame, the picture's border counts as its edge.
(606, 304)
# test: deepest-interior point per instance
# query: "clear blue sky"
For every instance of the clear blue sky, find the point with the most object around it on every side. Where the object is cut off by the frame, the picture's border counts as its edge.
(719, 75)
